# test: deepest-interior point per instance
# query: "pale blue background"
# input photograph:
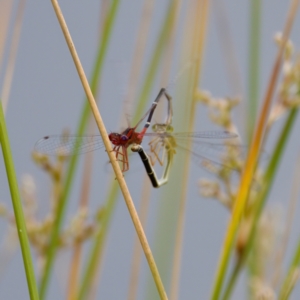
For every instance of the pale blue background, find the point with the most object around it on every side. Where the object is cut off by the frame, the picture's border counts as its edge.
(47, 96)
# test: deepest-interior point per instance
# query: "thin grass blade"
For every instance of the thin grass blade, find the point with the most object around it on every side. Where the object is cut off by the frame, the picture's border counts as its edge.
(251, 162)
(70, 173)
(18, 210)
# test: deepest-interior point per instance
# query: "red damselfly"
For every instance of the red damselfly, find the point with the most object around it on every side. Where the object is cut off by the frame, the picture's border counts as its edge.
(71, 145)
(162, 140)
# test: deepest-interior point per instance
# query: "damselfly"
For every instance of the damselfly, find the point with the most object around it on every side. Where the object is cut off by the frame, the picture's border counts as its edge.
(165, 143)
(162, 140)
(70, 145)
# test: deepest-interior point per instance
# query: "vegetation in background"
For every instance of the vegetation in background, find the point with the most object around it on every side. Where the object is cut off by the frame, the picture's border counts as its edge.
(242, 183)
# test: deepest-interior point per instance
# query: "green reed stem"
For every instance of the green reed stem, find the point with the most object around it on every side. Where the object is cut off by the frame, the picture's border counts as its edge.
(254, 63)
(62, 203)
(154, 62)
(99, 242)
(262, 198)
(291, 277)
(18, 210)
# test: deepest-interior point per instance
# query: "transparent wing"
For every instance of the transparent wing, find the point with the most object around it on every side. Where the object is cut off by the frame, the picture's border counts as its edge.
(223, 154)
(200, 134)
(207, 135)
(61, 145)
(203, 144)
(216, 152)
(224, 157)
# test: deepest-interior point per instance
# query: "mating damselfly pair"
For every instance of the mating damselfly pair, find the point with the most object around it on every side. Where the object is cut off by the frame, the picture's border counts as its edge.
(163, 143)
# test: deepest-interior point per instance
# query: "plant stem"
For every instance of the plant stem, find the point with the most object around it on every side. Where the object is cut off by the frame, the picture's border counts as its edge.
(254, 62)
(199, 20)
(99, 241)
(155, 60)
(261, 200)
(98, 245)
(17, 206)
(289, 281)
(114, 162)
(62, 203)
(241, 199)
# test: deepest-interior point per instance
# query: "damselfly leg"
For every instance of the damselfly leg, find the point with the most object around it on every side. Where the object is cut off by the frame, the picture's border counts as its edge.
(158, 146)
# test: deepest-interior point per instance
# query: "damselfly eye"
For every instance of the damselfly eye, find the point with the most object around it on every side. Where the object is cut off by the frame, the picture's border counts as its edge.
(124, 138)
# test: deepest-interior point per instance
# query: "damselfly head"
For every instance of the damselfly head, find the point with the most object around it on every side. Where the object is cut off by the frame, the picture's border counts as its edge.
(117, 138)
(114, 138)
(162, 128)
